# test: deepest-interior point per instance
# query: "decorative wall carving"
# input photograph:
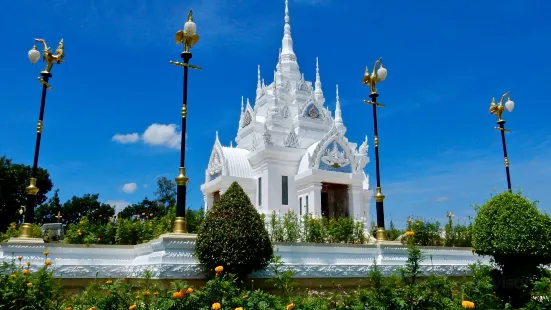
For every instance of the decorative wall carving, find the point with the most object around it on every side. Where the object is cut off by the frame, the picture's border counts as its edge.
(267, 135)
(247, 119)
(334, 153)
(292, 139)
(285, 112)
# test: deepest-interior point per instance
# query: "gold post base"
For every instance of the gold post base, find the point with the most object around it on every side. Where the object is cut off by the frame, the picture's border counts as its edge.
(180, 225)
(381, 234)
(26, 231)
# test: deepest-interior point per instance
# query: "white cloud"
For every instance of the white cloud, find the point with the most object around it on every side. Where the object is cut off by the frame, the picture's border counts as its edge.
(129, 188)
(119, 204)
(165, 135)
(441, 199)
(128, 138)
(155, 135)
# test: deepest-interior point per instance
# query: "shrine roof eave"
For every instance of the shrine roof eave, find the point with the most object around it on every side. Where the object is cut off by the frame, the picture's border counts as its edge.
(224, 181)
(317, 175)
(275, 153)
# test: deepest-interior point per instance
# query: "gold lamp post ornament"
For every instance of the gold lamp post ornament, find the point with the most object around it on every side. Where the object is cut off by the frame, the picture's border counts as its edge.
(50, 58)
(497, 110)
(371, 79)
(188, 37)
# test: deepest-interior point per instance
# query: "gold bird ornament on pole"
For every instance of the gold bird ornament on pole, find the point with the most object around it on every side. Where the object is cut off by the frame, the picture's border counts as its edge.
(188, 36)
(375, 77)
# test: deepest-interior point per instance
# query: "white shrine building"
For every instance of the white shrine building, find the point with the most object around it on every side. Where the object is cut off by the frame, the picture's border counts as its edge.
(291, 153)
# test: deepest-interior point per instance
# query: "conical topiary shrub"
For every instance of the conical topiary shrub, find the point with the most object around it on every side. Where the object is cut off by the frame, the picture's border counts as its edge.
(233, 235)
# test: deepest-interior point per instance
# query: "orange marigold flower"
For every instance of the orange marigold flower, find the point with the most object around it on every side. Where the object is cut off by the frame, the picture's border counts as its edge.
(409, 233)
(13, 275)
(146, 293)
(132, 307)
(99, 239)
(178, 295)
(239, 308)
(79, 233)
(46, 253)
(467, 304)
(156, 293)
(47, 262)
(189, 290)
(216, 306)
(290, 306)
(150, 214)
(108, 282)
(93, 308)
(219, 269)
(245, 296)
(29, 284)
(69, 308)
(26, 272)
(137, 296)
(19, 258)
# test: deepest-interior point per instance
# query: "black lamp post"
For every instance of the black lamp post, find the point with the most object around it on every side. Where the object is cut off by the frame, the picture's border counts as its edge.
(188, 38)
(498, 110)
(371, 80)
(50, 58)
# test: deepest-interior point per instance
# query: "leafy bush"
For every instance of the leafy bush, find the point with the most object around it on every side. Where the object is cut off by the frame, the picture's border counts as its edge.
(233, 235)
(510, 228)
(137, 229)
(20, 288)
(291, 228)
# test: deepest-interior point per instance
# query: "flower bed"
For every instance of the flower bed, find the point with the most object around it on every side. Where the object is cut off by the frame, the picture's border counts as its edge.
(20, 288)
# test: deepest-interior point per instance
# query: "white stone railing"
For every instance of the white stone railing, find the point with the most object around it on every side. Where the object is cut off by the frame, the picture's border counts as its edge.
(171, 257)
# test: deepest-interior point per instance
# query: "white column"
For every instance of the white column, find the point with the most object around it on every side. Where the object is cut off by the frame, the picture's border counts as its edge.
(355, 201)
(209, 201)
(314, 199)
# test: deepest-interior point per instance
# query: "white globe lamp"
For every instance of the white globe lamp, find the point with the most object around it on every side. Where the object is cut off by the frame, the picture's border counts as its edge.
(381, 73)
(190, 28)
(510, 105)
(34, 55)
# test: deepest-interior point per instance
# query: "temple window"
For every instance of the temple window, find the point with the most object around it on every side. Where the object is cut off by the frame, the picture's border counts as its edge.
(284, 190)
(259, 192)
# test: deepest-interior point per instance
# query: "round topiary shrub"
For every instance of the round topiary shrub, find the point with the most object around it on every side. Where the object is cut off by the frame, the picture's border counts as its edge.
(233, 235)
(511, 230)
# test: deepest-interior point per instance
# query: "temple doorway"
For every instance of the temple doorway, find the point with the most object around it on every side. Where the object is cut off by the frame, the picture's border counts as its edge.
(215, 197)
(334, 200)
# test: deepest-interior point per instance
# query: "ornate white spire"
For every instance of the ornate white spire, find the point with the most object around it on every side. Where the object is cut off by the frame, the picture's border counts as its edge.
(287, 64)
(338, 114)
(318, 92)
(287, 42)
(242, 106)
(258, 84)
(216, 140)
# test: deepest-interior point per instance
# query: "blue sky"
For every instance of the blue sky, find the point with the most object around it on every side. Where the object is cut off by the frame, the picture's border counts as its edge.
(445, 61)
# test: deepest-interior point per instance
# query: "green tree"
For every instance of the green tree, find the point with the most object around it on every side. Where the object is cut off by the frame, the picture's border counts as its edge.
(145, 206)
(233, 235)
(194, 219)
(47, 212)
(14, 178)
(89, 206)
(510, 229)
(166, 191)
